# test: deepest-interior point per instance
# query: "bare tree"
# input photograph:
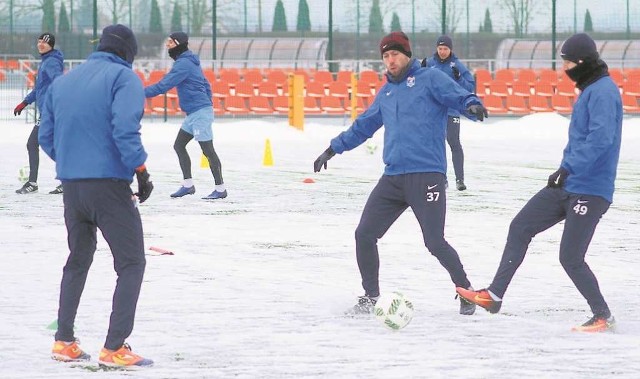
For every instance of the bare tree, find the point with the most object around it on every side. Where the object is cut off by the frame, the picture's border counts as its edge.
(117, 9)
(521, 13)
(387, 7)
(452, 18)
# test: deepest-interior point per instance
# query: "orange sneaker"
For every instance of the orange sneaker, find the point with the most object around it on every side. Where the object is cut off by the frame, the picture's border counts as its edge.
(596, 324)
(68, 352)
(123, 357)
(481, 298)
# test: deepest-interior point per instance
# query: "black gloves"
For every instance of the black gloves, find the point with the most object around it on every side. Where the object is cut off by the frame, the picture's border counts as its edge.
(322, 159)
(557, 179)
(18, 109)
(456, 72)
(479, 111)
(145, 186)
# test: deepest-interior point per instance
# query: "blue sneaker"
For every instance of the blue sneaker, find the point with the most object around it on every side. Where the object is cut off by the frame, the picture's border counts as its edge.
(216, 195)
(184, 191)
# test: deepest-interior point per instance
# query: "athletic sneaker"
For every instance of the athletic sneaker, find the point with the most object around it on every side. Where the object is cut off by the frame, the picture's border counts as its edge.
(467, 308)
(481, 298)
(596, 324)
(28, 187)
(216, 195)
(68, 352)
(460, 186)
(123, 357)
(365, 305)
(57, 190)
(184, 191)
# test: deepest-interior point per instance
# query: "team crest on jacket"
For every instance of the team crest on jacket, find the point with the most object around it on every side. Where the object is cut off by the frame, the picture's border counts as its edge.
(411, 81)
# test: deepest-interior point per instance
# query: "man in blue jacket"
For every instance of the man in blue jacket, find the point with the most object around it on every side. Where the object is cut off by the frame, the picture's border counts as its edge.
(445, 60)
(194, 94)
(91, 129)
(578, 193)
(50, 68)
(413, 107)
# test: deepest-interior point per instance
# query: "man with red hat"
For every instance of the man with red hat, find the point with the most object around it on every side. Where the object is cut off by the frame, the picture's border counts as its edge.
(50, 68)
(413, 107)
(578, 193)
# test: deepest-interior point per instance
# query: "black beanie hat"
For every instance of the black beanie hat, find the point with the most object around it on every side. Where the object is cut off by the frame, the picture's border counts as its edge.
(119, 39)
(180, 38)
(396, 41)
(445, 41)
(579, 47)
(48, 38)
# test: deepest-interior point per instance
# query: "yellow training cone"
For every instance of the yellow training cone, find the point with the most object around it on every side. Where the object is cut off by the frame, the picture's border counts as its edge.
(268, 157)
(204, 162)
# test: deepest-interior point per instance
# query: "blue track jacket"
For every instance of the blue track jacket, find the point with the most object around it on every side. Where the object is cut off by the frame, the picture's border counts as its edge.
(90, 123)
(51, 67)
(194, 91)
(592, 152)
(413, 112)
(466, 78)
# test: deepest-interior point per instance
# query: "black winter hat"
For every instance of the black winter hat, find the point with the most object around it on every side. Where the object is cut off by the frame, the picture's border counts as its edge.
(579, 47)
(48, 38)
(396, 41)
(120, 40)
(180, 38)
(445, 41)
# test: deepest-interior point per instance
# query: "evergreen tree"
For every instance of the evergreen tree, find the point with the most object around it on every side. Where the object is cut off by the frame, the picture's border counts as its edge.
(279, 18)
(155, 20)
(304, 23)
(63, 20)
(48, 16)
(488, 26)
(176, 18)
(395, 23)
(481, 29)
(375, 18)
(588, 24)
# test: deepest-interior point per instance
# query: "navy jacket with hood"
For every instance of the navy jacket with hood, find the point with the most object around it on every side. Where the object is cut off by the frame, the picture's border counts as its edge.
(90, 122)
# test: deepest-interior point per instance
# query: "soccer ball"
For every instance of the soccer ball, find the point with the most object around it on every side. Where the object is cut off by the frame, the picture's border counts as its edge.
(394, 310)
(23, 174)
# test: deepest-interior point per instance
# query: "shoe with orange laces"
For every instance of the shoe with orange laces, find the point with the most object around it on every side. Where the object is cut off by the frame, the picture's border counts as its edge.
(596, 324)
(481, 298)
(68, 352)
(122, 358)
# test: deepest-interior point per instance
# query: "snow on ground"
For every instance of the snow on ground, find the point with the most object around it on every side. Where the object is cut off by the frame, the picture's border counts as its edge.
(259, 281)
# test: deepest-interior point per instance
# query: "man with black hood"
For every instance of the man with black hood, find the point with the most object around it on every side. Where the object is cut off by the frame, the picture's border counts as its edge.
(51, 67)
(446, 61)
(91, 129)
(194, 94)
(578, 193)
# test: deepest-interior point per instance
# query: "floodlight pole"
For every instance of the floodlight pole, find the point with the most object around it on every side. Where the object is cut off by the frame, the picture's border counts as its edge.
(553, 34)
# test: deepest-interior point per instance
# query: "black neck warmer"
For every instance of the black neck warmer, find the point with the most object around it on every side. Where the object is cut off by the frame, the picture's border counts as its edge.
(175, 52)
(588, 72)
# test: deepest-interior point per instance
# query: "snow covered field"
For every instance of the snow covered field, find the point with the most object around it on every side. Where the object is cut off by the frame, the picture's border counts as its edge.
(259, 281)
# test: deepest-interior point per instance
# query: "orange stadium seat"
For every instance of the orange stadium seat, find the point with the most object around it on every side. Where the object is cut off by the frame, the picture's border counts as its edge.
(548, 75)
(260, 105)
(494, 104)
(561, 104)
(236, 105)
(316, 90)
(507, 75)
(539, 103)
(221, 89)
(243, 89)
(544, 88)
(630, 103)
(268, 89)
(483, 76)
(527, 75)
(253, 77)
(331, 105)
(323, 78)
(517, 105)
(231, 75)
(521, 88)
(311, 106)
(281, 104)
(499, 88)
(278, 77)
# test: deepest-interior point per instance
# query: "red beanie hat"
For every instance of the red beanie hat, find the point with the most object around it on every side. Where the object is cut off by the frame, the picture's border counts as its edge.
(396, 41)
